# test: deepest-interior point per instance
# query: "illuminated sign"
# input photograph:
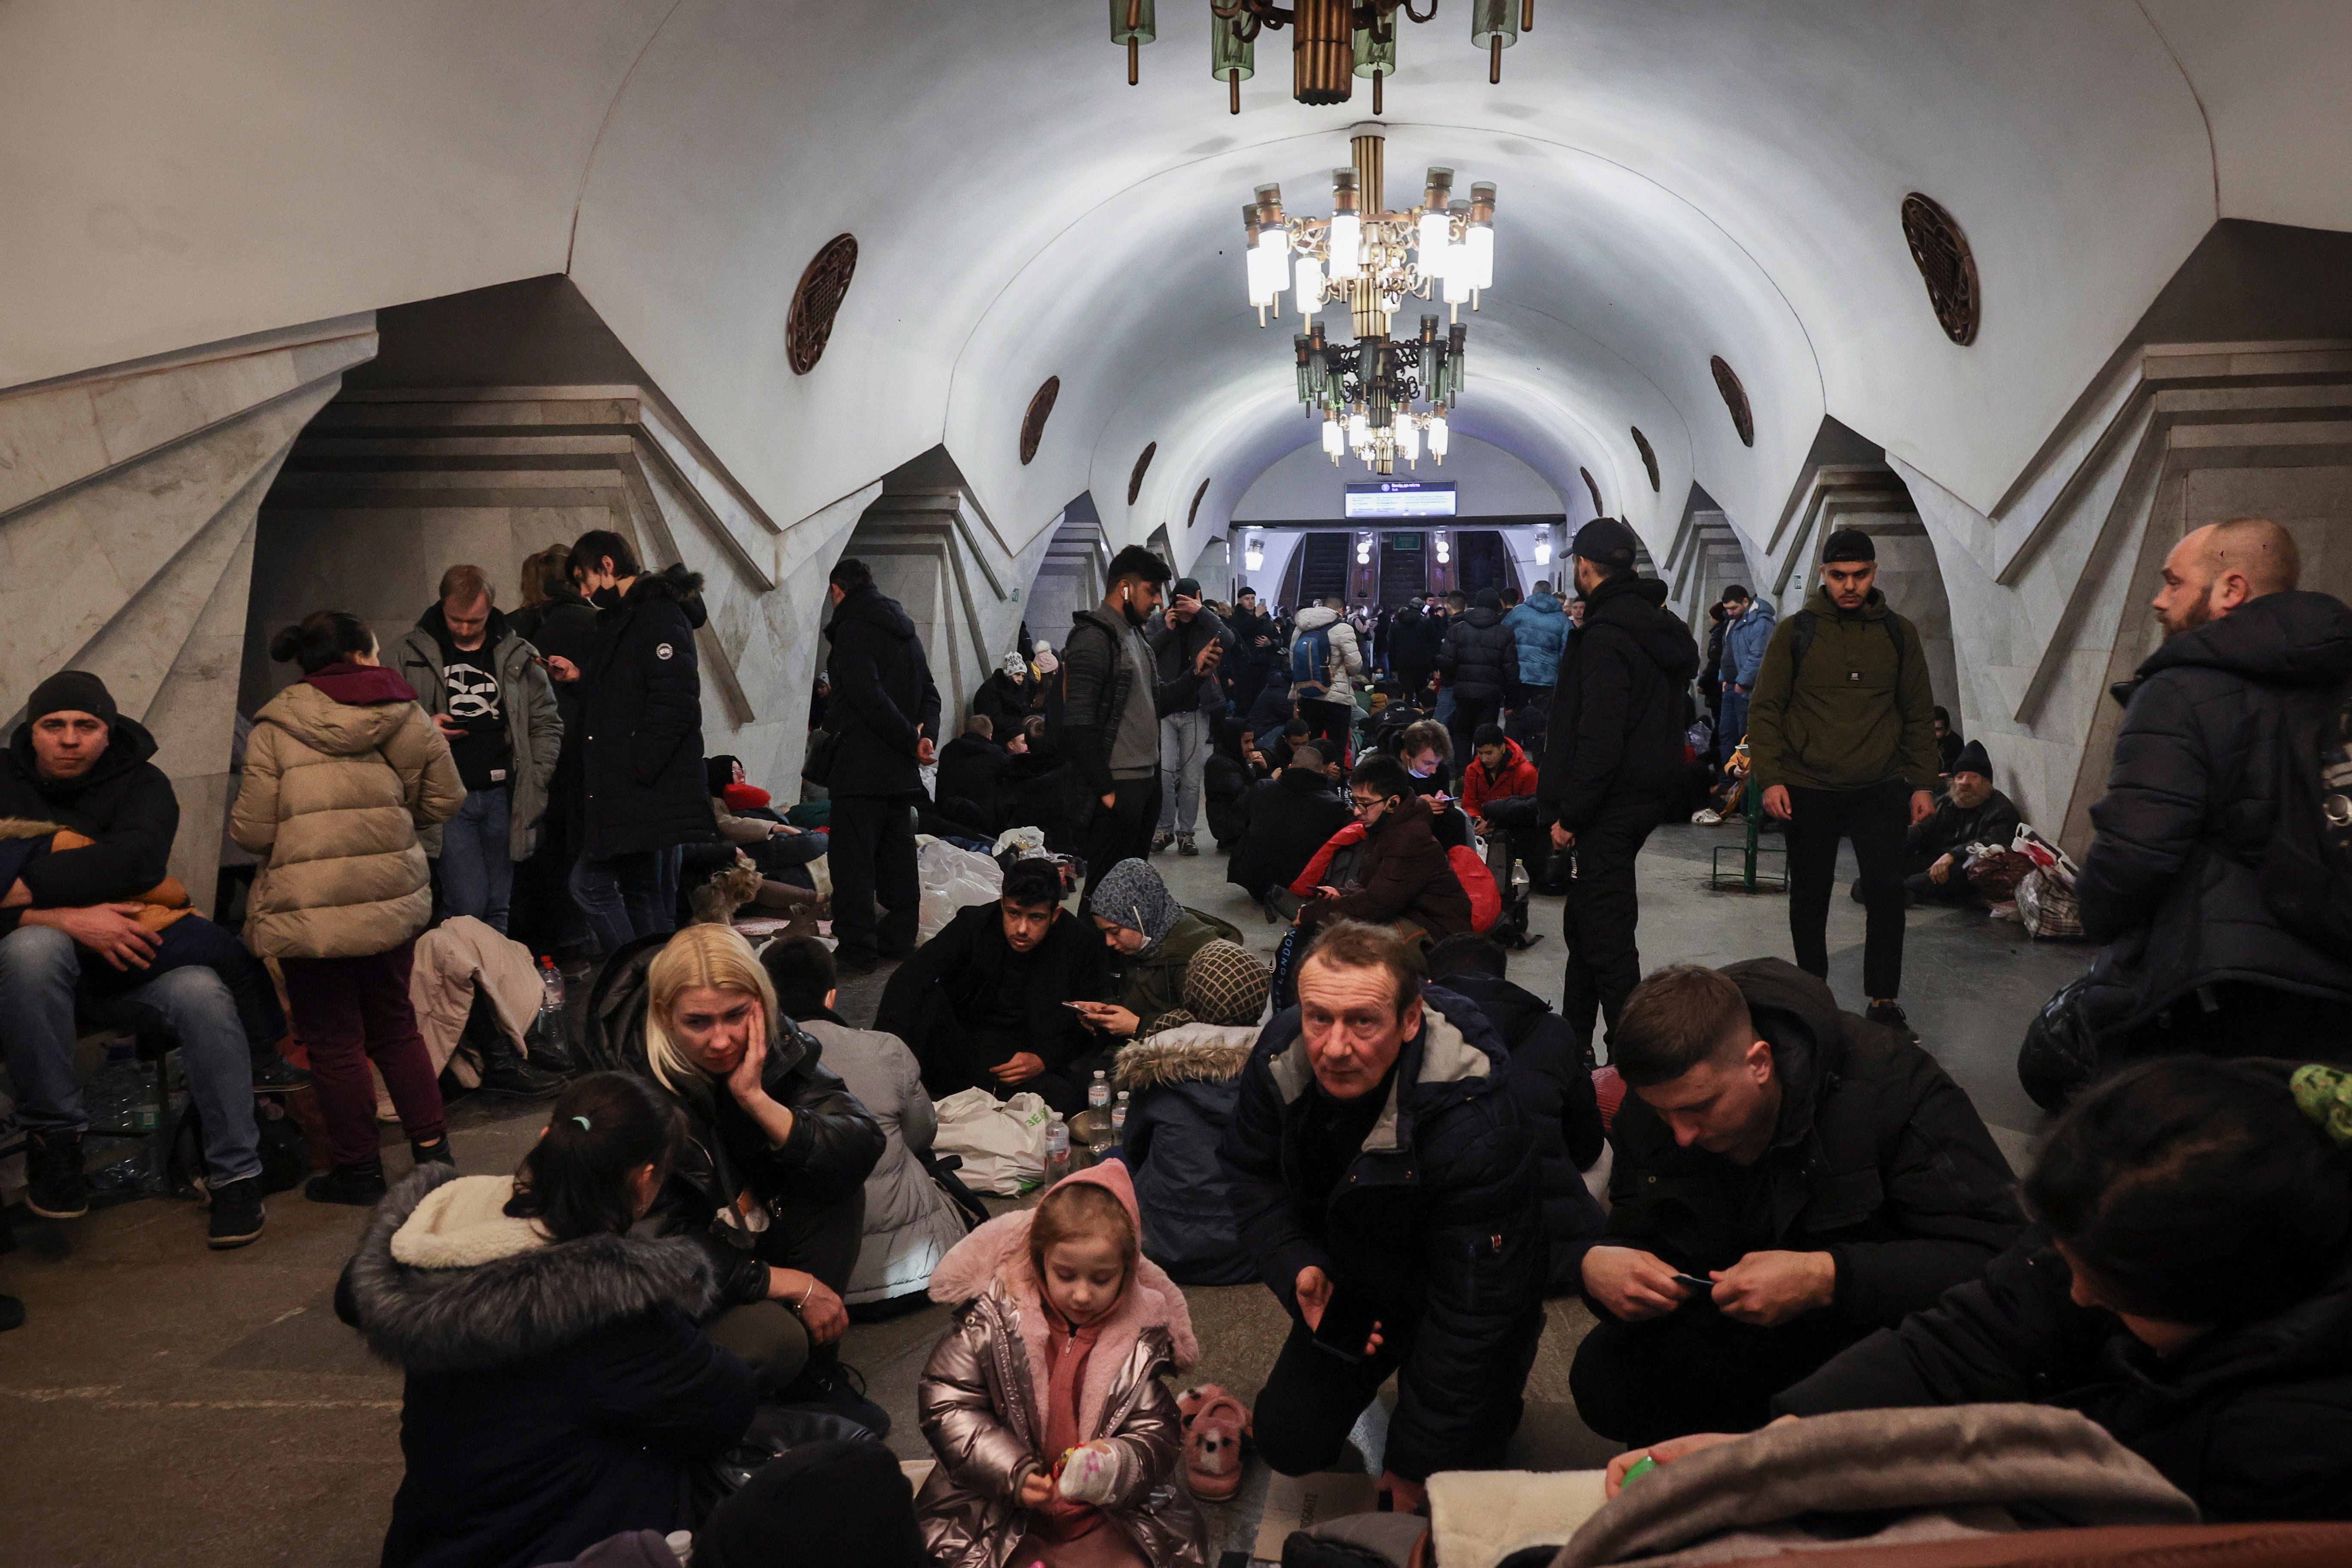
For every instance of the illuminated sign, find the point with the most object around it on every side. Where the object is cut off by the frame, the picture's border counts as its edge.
(1402, 497)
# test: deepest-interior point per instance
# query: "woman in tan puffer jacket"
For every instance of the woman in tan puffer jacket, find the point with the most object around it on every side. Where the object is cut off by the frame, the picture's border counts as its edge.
(342, 769)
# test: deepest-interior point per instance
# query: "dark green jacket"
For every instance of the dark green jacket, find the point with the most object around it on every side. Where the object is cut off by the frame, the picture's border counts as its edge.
(1152, 981)
(1853, 714)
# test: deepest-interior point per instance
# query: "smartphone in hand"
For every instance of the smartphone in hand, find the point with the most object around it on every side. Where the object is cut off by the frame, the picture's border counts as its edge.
(1347, 1323)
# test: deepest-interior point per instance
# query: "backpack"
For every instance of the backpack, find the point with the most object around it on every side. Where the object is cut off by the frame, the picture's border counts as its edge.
(2306, 870)
(1310, 665)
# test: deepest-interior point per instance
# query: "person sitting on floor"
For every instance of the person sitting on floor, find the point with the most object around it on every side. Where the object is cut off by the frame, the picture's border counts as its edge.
(558, 1389)
(1405, 878)
(1500, 772)
(1153, 940)
(1074, 1465)
(975, 767)
(1284, 821)
(1552, 1078)
(1788, 1178)
(1972, 813)
(1005, 698)
(982, 1004)
(1226, 780)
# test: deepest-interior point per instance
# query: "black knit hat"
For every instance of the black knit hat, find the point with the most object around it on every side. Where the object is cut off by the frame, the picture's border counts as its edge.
(1849, 544)
(1605, 542)
(71, 692)
(829, 1504)
(1972, 760)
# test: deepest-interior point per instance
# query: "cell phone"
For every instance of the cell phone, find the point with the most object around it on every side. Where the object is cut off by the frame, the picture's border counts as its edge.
(1704, 1287)
(1347, 1323)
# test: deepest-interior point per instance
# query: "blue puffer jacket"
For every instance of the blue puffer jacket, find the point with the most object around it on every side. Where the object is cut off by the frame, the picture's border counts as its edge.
(1540, 625)
(1744, 641)
(1185, 1081)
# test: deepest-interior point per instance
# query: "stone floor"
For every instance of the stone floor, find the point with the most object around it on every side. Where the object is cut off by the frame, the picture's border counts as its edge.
(165, 1405)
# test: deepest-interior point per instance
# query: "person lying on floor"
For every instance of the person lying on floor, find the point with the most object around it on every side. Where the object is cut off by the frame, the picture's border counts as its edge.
(1789, 1178)
(558, 1389)
(1151, 939)
(985, 1003)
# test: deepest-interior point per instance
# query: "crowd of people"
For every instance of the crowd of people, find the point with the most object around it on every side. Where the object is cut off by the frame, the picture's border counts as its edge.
(637, 1331)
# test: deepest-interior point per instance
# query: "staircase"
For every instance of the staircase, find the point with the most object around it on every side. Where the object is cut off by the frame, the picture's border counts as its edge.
(1322, 567)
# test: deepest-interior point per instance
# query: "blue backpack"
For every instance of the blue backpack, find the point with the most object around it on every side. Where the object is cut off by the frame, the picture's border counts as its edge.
(1310, 664)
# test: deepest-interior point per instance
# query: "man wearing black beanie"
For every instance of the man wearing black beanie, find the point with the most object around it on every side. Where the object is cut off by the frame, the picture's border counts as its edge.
(1842, 733)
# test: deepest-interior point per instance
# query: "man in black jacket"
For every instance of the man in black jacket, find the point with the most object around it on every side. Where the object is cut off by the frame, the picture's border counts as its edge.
(1480, 662)
(1415, 637)
(886, 713)
(1110, 716)
(1972, 813)
(642, 794)
(1258, 644)
(1788, 1178)
(1382, 1168)
(2195, 959)
(975, 767)
(1285, 820)
(1612, 756)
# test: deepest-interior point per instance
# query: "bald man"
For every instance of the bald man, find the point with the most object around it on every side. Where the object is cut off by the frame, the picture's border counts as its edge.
(2194, 960)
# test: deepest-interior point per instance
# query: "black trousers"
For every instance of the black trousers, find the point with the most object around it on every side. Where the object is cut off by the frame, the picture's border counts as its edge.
(873, 857)
(1878, 820)
(1330, 725)
(1694, 1369)
(1603, 963)
(1121, 831)
(1471, 714)
(1310, 1402)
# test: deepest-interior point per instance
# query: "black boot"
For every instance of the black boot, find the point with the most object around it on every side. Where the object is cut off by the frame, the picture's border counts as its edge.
(433, 1154)
(505, 1073)
(237, 1215)
(55, 1184)
(361, 1185)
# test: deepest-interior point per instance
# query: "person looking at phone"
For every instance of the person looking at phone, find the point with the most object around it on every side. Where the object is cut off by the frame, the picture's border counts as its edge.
(1383, 1184)
(1789, 1178)
(1404, 877)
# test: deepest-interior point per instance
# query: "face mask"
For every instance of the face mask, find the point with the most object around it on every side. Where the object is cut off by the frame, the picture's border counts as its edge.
(605, 598)
(1423, 773)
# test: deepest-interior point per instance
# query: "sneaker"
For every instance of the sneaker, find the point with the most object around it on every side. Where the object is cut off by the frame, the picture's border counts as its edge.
(237, 1213)
(433, 1154)
(1162, 840)
(361, 1185)
(55, 1184)
(1891, 1015)
(831, 1384)
(514, 1078)
(1707, 818)
(277, 1075)
(1184, 844)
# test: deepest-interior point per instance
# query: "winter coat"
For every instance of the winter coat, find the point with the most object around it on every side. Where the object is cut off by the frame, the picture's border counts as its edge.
(123, 805)
(1481, 657)
(556, 1393)
(1415, 637)
(1879, 1160)
(342, 769)
(1554, 1087)
(2253, 1422)
(1858, 712)
(1539, 625)
(1098, 677)
(2170, 883)
(977, 769)
(1952, 826)
(1185, 1081)
(1247, 626)
(1150, 983)
(1710, 664)
(1405, 875)
(1175, 646)
(1005, 703)
(1615, 731)
(1226, 780)
(834, 1146)
(1346, 669)
(955, 975)
(527, 698)
(1517, 776)
(1437, 1214)
(982, 1401)
(910, 1222)
(883, 699)
(641, 723)
(1744, 642)
(1287, 819)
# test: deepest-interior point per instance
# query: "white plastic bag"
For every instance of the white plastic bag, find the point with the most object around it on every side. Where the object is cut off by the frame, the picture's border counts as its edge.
(951, 879)
(1001, 1142)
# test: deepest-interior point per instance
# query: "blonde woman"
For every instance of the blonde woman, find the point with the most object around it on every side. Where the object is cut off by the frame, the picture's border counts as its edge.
(772, 1175)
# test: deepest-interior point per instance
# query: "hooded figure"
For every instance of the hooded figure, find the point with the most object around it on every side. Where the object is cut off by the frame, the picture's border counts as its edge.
(640, 721)
(1150, 981)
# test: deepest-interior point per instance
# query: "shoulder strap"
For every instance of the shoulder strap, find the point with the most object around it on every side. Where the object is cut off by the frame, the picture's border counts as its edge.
(1804, 624)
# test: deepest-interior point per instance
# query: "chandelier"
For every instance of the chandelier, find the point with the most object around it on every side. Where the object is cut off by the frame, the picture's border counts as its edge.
(1379, 396)
(1332, 41)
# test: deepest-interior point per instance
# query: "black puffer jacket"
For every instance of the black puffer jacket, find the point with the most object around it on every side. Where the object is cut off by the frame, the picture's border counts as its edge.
(881, 692)
(1481, 657)
(123, 802)
(555, 1394)
(1879, 1161)
(1005, 703)
(2170, 883)
(1553, 1086)
(1416, 639)
(2255, 1422)
(1285, 820)
(1618, 712)
(954, 977)
(1437, 1216)
(641, 721)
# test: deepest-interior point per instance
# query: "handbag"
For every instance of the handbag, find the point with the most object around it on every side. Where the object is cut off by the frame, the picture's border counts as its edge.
(2058, 1055)
(824, 748)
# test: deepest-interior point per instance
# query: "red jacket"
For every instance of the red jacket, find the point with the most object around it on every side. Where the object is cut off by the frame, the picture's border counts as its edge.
(1517, 777)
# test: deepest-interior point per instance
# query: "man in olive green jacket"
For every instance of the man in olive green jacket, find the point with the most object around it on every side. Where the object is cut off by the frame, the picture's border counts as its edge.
(1842, 730)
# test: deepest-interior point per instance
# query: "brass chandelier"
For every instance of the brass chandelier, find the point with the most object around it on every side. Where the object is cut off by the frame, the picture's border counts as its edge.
(1332, 41)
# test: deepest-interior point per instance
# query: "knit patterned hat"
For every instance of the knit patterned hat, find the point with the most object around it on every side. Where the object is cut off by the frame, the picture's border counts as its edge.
(1223, 985)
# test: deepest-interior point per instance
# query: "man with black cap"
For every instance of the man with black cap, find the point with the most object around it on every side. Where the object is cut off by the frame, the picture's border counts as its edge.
(1612, 756)
(1842, 735)
(1178, 635)
(78, 765)
(1972, 813)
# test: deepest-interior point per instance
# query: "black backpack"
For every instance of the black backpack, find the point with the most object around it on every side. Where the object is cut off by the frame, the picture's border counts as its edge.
(2306, 870)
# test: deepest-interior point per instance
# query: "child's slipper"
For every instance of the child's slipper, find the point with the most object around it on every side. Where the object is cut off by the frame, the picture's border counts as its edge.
(1214, 1425)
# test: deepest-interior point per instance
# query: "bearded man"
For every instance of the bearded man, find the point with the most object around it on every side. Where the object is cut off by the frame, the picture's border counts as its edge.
(1972, 812)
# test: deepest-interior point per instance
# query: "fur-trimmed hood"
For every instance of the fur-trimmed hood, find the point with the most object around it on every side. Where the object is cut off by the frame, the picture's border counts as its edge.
(516, 1306)
(1186, 1053)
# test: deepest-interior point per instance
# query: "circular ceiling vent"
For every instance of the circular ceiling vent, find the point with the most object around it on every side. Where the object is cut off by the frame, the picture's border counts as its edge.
(1135, 480)
(1734, 397)
(1598, 509)
(1198, 496)
(1032, 424)
(817, 300)
(1946, 265)
(1649, 457)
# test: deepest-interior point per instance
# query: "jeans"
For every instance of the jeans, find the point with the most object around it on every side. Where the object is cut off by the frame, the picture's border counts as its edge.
(873, 857)
(476, 876)
(1184, 753)
(1732, 728)
(1878, 820)
(350, 1012)
(39, 971)
(622, 896)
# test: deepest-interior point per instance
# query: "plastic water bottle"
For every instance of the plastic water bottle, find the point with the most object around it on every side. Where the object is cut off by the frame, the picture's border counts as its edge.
(1119, 1119)
(1098, 1091)
(1057, 1148)
(550, 1002)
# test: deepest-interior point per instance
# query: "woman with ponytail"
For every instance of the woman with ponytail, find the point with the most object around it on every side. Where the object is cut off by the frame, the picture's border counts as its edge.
(558, 1389)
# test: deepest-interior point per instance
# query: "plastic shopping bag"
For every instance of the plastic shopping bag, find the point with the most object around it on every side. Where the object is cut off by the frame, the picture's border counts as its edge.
(1001, 1142)
(953, 879)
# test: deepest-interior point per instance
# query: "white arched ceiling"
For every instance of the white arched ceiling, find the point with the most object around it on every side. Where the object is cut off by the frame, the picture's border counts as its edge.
(1679, 178)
